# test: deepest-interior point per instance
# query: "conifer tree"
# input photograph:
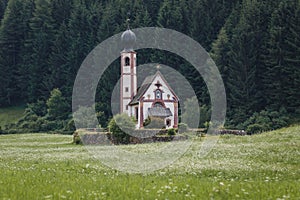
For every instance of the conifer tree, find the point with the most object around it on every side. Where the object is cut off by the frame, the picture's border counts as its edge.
(24, 71)
(219, 53)
(41, 41)
(61, 11)
(12, 35)
(170, 15)
(152, 7)
(58, 75)
(283, 60)
(57, 107)
(111, 21)
(244, 61)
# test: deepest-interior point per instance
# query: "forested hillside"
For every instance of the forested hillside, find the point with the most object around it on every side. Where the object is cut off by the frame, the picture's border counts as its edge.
(255, 44)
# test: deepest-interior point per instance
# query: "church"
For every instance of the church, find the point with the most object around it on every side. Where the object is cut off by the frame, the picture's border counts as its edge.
(153, 99)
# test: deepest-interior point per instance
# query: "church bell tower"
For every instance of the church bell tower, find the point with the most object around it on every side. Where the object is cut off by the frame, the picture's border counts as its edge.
(128, 82)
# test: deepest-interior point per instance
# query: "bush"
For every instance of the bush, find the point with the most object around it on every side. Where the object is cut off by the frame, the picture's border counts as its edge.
(36, 124)
(29, 126)
(76, 138)
(171, 132)
(120, 126)
(38, 119)
(255, 128)
(47, 125)
(12, 131)
(70, 126)
(266, 121)
(39, 108)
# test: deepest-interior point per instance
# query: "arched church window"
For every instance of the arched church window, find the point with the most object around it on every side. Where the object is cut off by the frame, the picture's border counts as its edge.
(127, 61)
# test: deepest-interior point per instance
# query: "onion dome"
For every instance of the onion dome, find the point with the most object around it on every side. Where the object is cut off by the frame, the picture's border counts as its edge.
(128, 39)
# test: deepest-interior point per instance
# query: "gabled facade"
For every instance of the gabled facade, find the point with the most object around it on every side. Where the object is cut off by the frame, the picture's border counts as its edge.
(155, 98)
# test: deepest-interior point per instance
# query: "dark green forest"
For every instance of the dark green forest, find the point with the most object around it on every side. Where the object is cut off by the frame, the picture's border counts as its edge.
(255, 44)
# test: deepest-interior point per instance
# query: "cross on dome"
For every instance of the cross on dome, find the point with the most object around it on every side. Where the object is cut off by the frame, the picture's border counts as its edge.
(128, 39)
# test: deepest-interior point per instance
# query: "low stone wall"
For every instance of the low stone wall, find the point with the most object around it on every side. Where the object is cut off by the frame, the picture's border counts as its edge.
(96, 139)
(147, 133)
(106, 138)
(232, 132)
(135, 140)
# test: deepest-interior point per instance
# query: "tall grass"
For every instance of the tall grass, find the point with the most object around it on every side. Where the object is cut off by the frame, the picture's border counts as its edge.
(41, 166)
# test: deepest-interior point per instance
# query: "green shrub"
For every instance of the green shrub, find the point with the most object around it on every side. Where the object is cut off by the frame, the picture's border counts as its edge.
(76, 138)
(38, 119)
(40, 124)
(70, 126)
(255, 128)
(39, 108)
(120, 126)
(266, 120)
(171, 132)
(30, 126)
(12, 131)
(47, 125)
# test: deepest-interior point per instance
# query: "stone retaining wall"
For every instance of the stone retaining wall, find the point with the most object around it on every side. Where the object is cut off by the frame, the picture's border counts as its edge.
(108, 139)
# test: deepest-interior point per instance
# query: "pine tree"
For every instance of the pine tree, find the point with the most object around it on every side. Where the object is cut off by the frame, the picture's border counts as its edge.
(152, 7)
(58, 74)
(170, 15)
(61, 11)
(57, 107)
(221, 47)
(23, 80)
(111, 21)
(205, 23)
(244, 95)
(12, 35)
(283, 74)
(83, 29)
(40, 41)
(219, 53)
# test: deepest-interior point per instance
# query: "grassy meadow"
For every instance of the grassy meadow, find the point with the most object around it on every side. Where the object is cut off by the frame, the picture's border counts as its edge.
(44, 166)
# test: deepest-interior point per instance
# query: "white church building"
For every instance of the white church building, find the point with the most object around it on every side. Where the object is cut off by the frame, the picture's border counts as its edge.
(154, 98)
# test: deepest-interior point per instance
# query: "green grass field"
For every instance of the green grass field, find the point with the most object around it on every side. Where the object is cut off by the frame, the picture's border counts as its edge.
(10, 115)
(43, 166)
